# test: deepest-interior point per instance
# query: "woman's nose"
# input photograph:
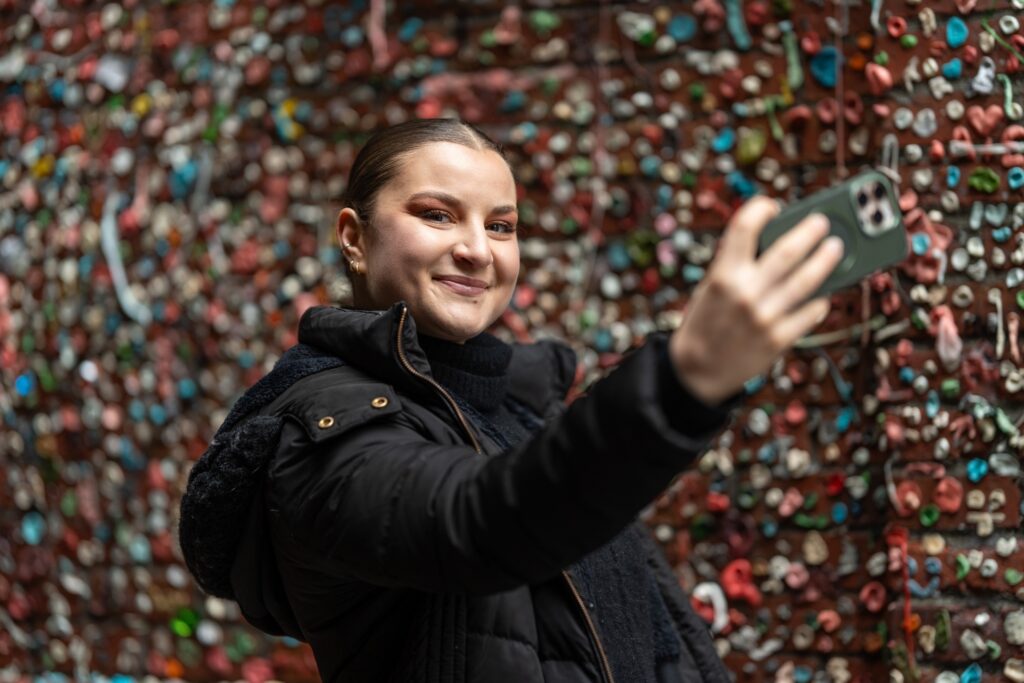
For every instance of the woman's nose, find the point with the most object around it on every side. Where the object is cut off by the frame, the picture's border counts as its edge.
(474, 246)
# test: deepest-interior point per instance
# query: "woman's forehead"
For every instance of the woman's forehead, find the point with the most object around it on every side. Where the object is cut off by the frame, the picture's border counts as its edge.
(458, 170)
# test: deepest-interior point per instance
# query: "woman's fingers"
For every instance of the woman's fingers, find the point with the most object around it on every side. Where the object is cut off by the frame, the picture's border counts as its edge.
(794, 289)
(739, 241)
(794, 326)
(791, 248)
(747, 310)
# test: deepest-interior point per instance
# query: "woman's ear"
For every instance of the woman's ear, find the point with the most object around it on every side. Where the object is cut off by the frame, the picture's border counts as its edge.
(350, 232)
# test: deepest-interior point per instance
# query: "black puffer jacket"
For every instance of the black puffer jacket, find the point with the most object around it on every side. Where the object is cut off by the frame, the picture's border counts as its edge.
(375, 523)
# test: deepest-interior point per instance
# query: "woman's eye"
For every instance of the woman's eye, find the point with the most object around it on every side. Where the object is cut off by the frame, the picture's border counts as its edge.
(434, 215)
(438, 216)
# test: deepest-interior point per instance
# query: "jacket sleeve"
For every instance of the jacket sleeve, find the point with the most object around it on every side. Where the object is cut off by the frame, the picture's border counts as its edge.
(383, 504)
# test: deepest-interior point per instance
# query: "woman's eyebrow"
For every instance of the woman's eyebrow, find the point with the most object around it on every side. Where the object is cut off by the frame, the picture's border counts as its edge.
(454, 201)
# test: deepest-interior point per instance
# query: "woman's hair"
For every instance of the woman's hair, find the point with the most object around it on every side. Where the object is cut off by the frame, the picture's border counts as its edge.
(380, 159)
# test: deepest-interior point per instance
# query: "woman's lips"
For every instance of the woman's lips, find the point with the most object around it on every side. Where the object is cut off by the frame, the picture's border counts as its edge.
(464, 290)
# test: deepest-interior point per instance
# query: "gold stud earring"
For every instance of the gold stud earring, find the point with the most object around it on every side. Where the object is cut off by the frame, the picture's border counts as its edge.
(355, 267)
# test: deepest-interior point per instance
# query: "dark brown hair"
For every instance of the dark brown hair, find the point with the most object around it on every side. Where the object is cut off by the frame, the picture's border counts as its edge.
(380, 159)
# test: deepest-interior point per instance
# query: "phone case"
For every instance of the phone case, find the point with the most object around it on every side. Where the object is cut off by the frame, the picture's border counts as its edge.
(864, 212)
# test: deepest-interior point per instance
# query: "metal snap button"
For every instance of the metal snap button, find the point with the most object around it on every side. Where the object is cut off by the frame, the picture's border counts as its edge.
(325, 422)
(379, 402)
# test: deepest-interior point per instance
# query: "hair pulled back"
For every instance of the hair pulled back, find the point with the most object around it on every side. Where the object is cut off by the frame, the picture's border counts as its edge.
(381, 157)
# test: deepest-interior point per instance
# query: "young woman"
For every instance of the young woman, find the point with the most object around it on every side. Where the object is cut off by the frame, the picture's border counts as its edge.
(411, 495)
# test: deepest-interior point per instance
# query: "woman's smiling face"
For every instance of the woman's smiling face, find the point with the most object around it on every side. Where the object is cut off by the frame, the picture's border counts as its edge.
(443, 240)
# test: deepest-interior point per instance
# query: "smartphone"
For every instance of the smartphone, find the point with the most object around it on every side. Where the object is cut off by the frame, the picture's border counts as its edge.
(864, 212)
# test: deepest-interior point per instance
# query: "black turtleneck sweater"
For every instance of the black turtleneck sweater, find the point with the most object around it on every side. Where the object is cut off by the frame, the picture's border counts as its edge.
(477, 370)
(476, 373)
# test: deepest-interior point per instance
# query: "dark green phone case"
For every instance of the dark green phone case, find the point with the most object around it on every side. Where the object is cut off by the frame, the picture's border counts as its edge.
(864, 212)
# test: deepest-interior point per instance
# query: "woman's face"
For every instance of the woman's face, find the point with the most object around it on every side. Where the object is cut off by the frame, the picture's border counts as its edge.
(443, 240)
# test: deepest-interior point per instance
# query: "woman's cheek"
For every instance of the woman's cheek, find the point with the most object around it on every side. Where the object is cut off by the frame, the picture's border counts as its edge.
(511, 266)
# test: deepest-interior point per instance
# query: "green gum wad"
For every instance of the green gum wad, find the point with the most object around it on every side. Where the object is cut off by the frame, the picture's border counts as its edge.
(963, 567)
(543, 22)
(984, 179)
(950, 388)
(929, 514)
(942, 629)
(782, 8)
(806, 521)
(751, 146)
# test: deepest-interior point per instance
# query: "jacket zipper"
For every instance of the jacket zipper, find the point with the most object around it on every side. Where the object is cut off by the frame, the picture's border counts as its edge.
(451, 402)
(605, 666)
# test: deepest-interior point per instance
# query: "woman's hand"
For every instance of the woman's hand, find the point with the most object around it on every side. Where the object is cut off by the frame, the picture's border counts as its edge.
(747, 310)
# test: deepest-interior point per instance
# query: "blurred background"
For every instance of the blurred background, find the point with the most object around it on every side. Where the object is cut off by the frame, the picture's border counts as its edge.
(167, 198)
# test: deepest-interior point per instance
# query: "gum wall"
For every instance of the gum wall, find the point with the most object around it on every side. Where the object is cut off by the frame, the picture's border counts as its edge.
(167, 189)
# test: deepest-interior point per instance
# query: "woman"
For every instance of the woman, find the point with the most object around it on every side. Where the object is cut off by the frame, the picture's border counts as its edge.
(412, 497)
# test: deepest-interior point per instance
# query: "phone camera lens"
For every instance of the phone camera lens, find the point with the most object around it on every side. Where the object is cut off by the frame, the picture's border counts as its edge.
(862, 198)
(877, 216)
(879, 191)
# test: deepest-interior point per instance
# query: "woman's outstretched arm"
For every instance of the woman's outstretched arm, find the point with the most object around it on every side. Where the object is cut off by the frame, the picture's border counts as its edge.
(384, 504)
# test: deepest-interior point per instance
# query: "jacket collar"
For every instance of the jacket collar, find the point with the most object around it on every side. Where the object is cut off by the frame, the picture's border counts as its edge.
(376, 341)
(384, 343)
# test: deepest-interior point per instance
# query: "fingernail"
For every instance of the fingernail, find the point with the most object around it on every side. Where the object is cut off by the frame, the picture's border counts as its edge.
(835, 244)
